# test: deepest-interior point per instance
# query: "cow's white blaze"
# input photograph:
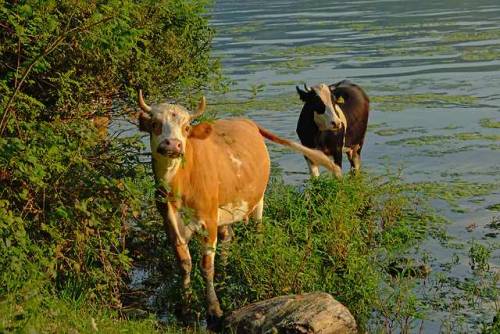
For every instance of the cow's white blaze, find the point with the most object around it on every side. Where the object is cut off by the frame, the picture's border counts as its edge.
(169, 122)
(333, 116)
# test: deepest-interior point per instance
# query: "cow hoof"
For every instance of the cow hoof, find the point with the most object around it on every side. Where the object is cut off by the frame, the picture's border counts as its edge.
(214, 323)
(184, 314)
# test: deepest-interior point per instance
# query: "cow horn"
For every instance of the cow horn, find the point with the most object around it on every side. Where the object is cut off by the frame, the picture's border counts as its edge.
(307, 88)
(143, 104)
(201, 108)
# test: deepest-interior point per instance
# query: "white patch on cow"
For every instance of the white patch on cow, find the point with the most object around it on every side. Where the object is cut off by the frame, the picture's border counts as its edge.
(329, 119)
(238, 163)
(333, 116)
(232, 212)
(258, 211)
(235, 160)
(172, 119)
(165, 168)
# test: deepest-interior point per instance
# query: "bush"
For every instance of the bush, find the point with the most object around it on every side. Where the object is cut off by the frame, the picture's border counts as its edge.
(332, 236)
(72, 58)
(69, 193)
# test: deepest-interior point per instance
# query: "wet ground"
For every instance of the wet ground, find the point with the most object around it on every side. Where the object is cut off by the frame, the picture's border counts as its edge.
(432, 71)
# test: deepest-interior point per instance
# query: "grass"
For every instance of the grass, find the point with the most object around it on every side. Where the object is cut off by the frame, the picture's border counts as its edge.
(34, 311)
(342, 237)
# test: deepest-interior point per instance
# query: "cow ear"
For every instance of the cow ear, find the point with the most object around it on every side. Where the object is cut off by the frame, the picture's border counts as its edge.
(200, 131)
(304, 96)
(145, 122)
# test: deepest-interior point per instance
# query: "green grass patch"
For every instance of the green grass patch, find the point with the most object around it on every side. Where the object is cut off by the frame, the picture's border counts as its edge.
(333, 236)
(342, 237)
(35, 312)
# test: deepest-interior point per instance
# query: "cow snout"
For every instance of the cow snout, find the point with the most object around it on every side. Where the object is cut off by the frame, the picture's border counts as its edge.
(170, 147)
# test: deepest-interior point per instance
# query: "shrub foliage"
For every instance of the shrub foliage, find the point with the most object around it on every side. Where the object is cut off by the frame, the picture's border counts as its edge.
(67, 193)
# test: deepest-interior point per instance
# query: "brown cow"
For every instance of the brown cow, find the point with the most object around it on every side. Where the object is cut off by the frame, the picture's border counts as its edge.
(334, 119)
(209, 175)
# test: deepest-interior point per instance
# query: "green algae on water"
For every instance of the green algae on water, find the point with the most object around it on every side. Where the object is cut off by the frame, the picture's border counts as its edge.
(461, 36)
(494, 207)
(275, 103)
(454, 191)
(312, 50)
(402, 102)
(442, 139)
(489, 123)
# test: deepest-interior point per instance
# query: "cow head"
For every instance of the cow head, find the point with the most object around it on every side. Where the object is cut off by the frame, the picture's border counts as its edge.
(170, 126)
(327, 114)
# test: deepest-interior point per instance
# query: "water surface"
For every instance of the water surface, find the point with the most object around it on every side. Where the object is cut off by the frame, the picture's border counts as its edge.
(432, 71)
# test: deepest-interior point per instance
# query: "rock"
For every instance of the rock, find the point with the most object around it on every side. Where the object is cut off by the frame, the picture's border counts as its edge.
(294, 314)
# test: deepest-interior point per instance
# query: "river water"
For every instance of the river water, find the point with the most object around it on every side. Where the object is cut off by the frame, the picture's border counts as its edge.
(432, 71)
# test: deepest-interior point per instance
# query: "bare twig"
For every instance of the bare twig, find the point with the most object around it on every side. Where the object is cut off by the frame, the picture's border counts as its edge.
(18, 61)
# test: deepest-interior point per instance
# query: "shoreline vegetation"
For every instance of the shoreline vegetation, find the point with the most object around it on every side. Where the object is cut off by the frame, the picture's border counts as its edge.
(83, 249)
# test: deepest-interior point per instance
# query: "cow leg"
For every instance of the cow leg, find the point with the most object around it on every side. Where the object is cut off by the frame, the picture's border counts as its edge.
(181, 251)
(207, 268)
(257, 214)
(313, 169)
(184, 258)
(354, 156)
(225, 233)
(337, 156)
(259, 211)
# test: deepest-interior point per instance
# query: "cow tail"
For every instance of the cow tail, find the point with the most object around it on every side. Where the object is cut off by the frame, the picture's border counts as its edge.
(316, 156)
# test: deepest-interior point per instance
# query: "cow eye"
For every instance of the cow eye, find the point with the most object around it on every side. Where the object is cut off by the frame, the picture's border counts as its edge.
(157, 127)
(320, 109)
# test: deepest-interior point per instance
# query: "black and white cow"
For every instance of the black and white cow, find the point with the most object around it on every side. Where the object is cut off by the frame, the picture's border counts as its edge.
(334, 120)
